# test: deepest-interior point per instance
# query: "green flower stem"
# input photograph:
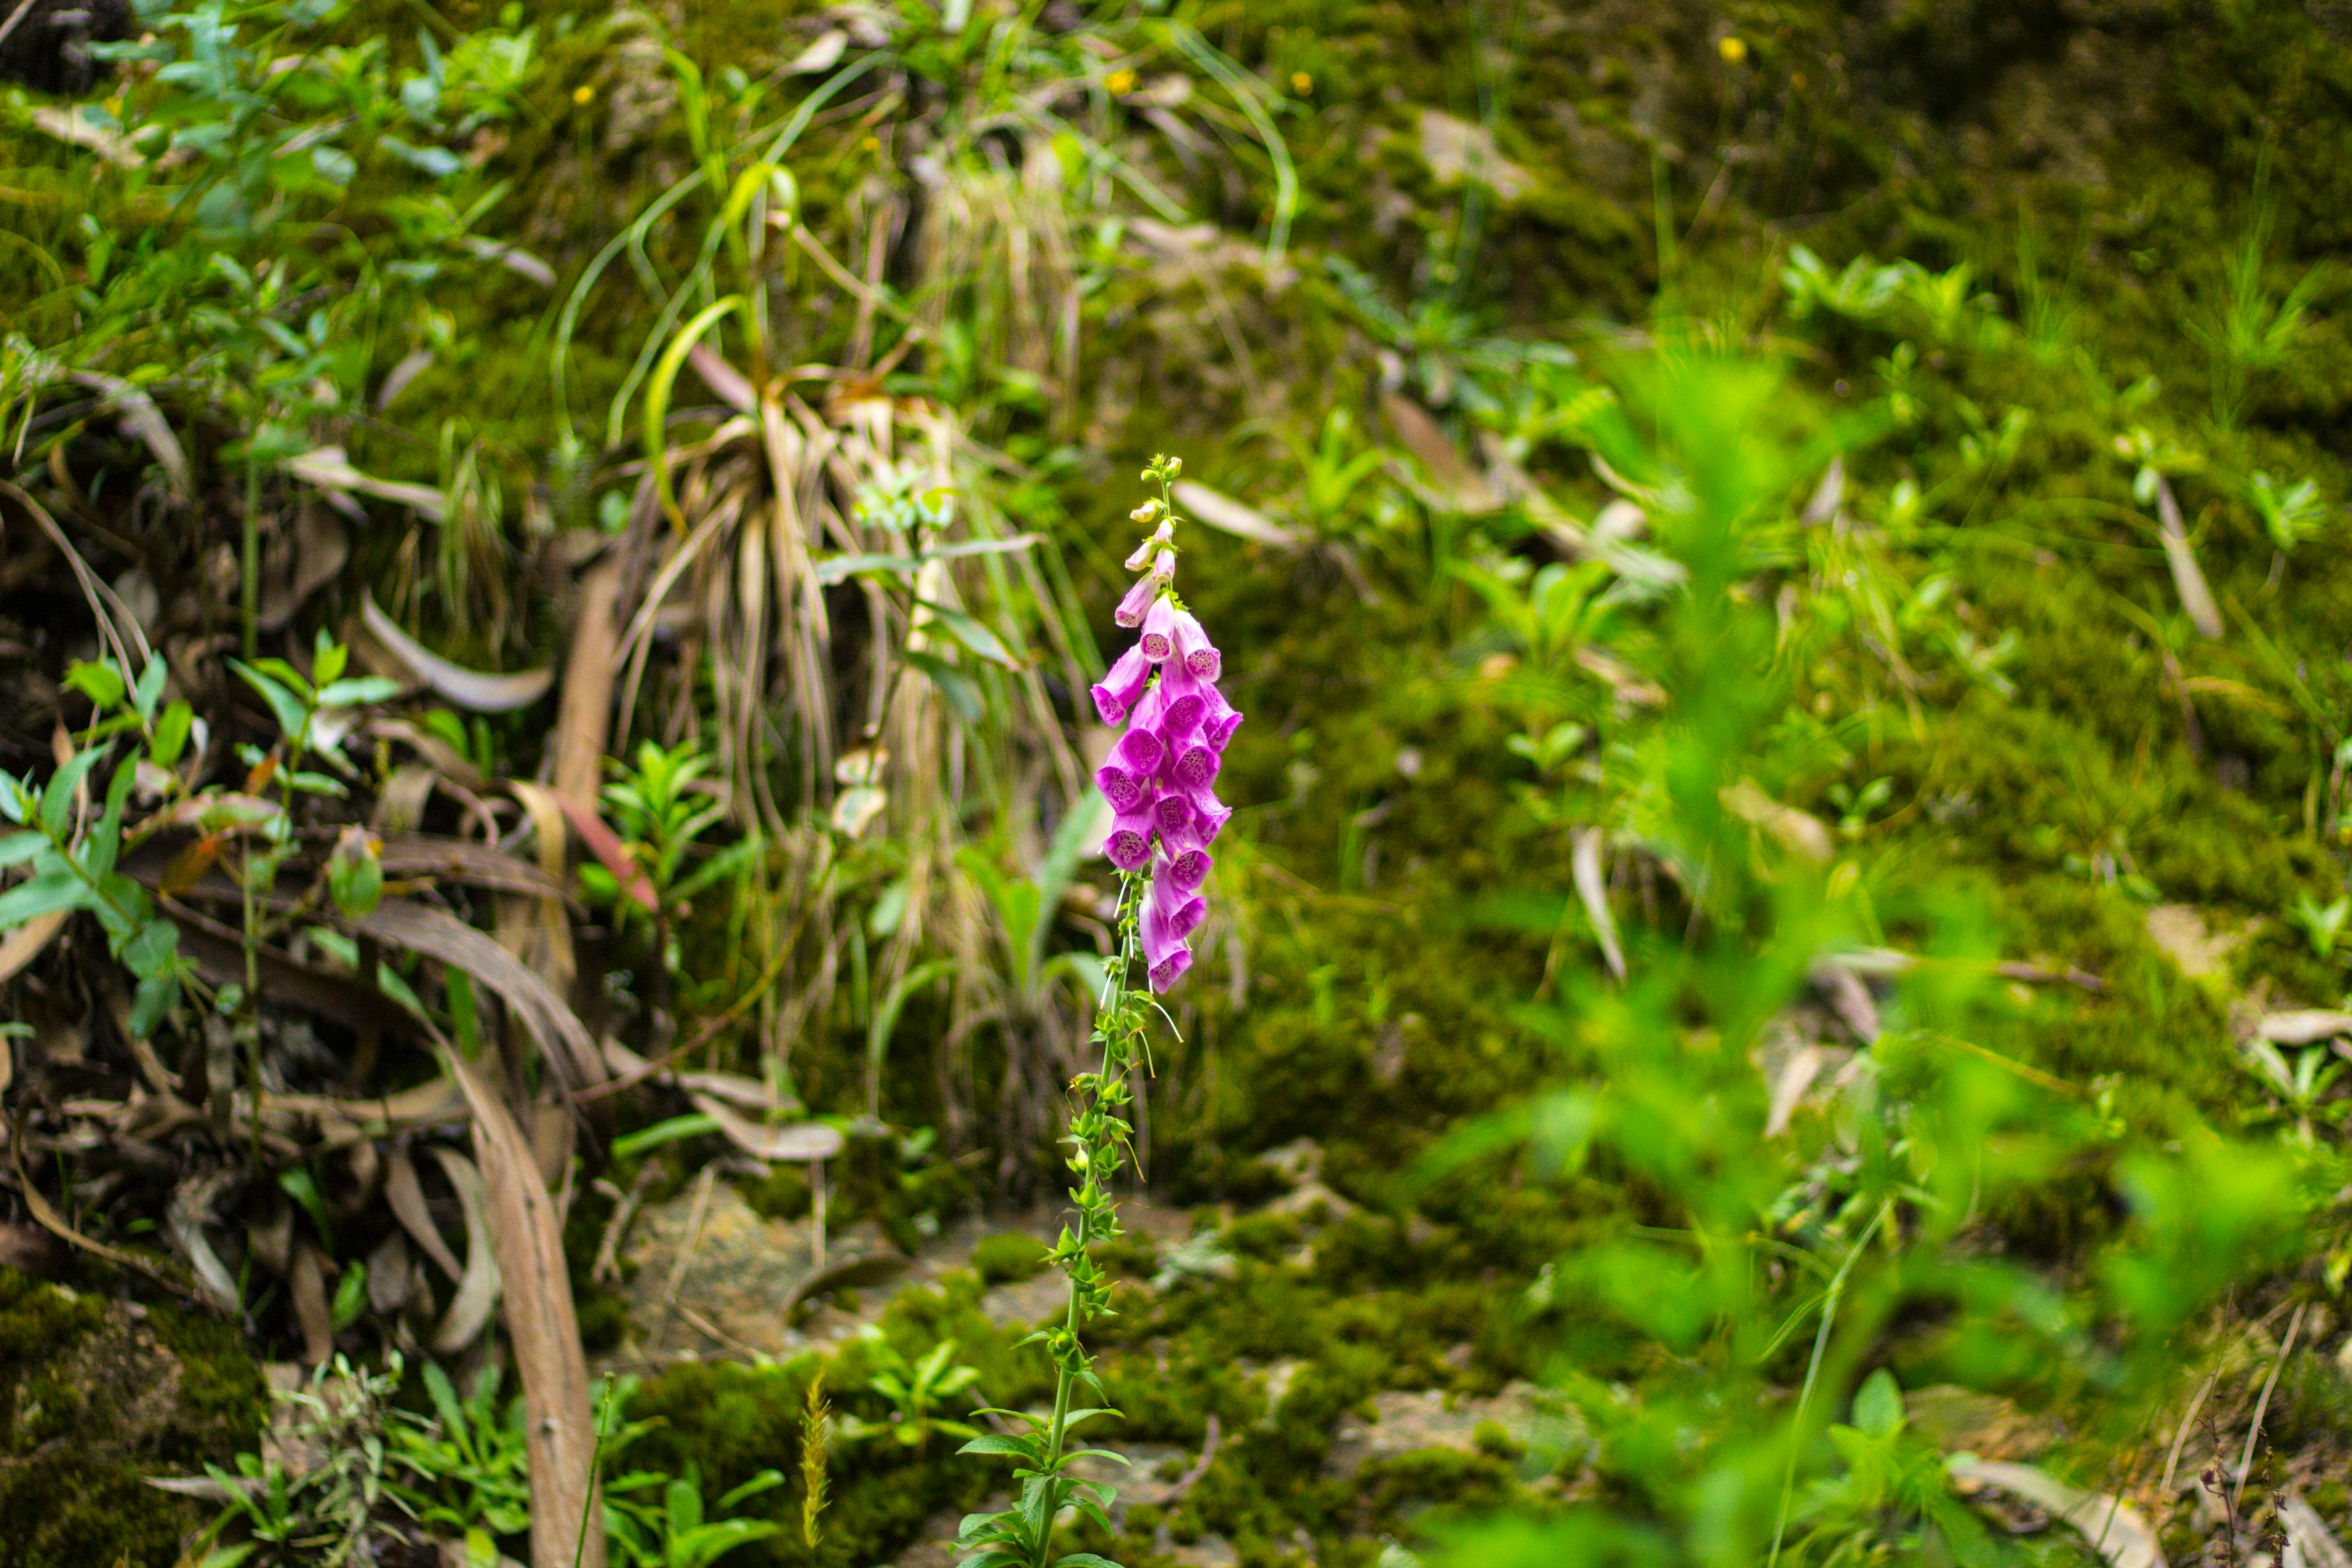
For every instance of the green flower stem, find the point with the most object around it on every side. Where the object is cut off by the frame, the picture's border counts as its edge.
(1099, 1134)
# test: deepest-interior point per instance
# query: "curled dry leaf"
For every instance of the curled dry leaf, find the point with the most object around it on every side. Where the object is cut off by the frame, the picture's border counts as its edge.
(467, 861)
(2304, 1027)
(412, 363)
(820, 56)
(2308, 1537)
(147, 422)
(330, 470)
(475, 690)
(2113, 1528)
(1798, 832)
(1848, 997)
(733, 387)
(405, 1194)
(183, 1223)
(792, 1140)
(1828, 494)
(514, 258)
(308, 1284)
(540, 932)
(1223, 513)
(45, 1216)
(1459, 486)
(544, 1331)
(477, 1288)
(217, 950)
(1592, 890)
(2196, 598)
(586, 714)
(437, 933)
(444, 764)
(316, 555)
(1796, 1076)
(24, 944)
(387, 1275)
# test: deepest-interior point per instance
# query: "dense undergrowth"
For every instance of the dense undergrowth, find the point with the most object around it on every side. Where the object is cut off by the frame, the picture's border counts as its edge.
(1792, 826)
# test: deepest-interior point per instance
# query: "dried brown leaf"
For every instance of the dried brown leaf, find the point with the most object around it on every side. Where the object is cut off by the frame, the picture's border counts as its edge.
(467, 861)
(436, 934)
(477, 1288)
(45, 1216)
(405, 1195)
(329, 469)
(24, 944)
(477, 691)
(308, 1285)
(544, 1331)
(792, 1140)
(584, 719)
(1459, 485)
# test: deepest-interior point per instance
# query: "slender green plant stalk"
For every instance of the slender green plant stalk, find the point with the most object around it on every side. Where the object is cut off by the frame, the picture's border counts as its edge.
(1022, 1536)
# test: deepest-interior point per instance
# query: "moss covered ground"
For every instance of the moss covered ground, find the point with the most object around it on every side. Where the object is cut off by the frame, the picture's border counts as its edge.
(2065, 754)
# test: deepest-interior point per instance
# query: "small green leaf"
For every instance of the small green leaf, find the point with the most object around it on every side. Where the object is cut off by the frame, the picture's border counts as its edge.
(954, 685)
(670, 1131)
(150, 951)
(56, 800)
(106, 838)
(19, 847)
(151, 686)
(171, 734)
(152, 1001)
(657, 395)
(285, 674)
(315, 784)
(99, 681)
(355, 872)
(284, 706)
(45, 894)
(358, 692)
(297, 1182)
(351, 1295)
(972, 635)
(1878, 1405)
(1020, 1448)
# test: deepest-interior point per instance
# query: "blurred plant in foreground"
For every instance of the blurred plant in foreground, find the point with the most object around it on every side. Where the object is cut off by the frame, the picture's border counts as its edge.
(1708, 1340)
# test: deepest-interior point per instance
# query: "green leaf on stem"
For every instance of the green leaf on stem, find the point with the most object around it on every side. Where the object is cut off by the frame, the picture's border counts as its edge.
(45, 894)
(153, 1000)
(99, 680)
(56, 800)
(150, 690)
(358, 693)
(171, 734)
(954, 685)
(284, 706)
(972, 634)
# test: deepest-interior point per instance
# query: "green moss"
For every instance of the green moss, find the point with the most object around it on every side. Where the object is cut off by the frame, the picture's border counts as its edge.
(783, 1193)
(95, 1396)
(1001, 1259)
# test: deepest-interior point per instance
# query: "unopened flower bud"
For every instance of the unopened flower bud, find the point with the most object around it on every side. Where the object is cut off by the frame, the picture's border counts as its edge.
(1145, 512)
